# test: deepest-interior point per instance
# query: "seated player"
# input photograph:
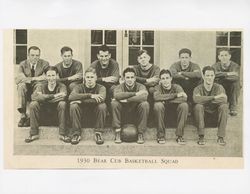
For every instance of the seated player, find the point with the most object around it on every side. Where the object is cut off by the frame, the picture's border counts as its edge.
(130, 103)
(186, 73)
(87, 99)
(30, 75)
(70, 70)
(48, 100)
(210, 102)
(147, 73)
(228, 75)
(107, 70)
(170, 102)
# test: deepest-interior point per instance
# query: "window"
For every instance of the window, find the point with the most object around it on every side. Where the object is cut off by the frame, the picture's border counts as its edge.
(140, 40)
(100, 37)
(20, 41)
(231, 40)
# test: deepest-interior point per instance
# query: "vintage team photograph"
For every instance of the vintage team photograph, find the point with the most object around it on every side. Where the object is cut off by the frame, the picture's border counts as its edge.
(131, 94)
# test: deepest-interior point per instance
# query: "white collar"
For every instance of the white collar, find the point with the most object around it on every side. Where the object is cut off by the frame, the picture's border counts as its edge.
(32, 65)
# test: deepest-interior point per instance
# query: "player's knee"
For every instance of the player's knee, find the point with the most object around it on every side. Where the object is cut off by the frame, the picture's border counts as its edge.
(74, 106)
(223, 107)
(158, 106)
(102, 107)
(198, 107)
(151, 90)
(144, 105)
(72, 85)
(114, 104)
(22, 87)
(183, 106)
(62, 105)
(34, 105)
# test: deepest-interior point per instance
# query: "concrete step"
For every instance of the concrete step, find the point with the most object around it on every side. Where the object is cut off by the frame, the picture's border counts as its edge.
(50, 133)
(49, 144)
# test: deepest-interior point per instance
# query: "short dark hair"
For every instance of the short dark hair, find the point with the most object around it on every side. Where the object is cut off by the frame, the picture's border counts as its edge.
(65, 49)
(207, 68)
(224, 49)
(90, 69)
(51, 68)
(128, 69)
(103, 48)
(34, 48)
(185, 50)
(165, 71)
(140, 52)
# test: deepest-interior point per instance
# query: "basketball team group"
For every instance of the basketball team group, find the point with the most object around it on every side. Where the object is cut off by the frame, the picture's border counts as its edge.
(144, 92)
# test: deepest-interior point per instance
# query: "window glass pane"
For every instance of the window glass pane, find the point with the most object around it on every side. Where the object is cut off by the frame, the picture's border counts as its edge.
(94, 53)
(96, 36)
(113, 52)
(221, 41)
(133, 55)
(110, 37)
(150, 52)
(221, 33)
(236, 55)
(134, 37)
(21, 36)
(235, 38)
(235, 34)
(148, 37)
(221, 38)
(21, 53)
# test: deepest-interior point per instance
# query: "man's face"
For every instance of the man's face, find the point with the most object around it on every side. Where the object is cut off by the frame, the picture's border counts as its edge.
(143, 60)
(224, 57)
(51, 76)
(34, 56)
(185, 58)
(67, 57)
(166, 80)
(103, 57)
(90, 79)
(209, 77)
(129, 79)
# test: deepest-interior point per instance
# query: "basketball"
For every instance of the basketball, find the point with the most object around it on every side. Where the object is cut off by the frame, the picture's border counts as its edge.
(129, 133)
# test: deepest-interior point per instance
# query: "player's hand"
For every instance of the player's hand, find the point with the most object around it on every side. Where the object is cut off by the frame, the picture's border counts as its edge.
(222, 95)
(76, 102)
(152, 79)
(97, 97)
(39, 78)
(110, 79)
(75, 77)
(61, 94)
(233, 73)
(141, 92)
(182, 94)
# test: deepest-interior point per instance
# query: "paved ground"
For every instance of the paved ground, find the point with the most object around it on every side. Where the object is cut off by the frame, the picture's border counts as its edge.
(48, 144)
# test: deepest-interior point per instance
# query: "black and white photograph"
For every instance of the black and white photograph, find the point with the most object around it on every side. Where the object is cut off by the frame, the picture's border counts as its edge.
(139, 93)
(124, 96)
